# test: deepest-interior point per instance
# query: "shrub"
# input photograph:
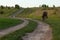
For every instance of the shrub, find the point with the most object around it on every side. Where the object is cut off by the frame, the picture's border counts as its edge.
(2, 12)
(17, 6)
(2, 7)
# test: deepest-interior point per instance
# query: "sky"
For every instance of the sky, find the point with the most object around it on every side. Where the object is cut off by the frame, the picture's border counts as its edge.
(30, 3)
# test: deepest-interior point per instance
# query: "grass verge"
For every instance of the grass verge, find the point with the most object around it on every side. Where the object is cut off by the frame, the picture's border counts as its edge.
(19, 33)
(55, 25)
(8, 22)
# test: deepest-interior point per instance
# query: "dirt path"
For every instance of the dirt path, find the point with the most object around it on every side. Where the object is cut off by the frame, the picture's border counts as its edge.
(12, 29)
(16, 13)
(42, 32)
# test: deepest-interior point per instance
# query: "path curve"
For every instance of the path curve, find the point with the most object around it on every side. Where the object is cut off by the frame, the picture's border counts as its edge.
(42, 32)
(12, 29)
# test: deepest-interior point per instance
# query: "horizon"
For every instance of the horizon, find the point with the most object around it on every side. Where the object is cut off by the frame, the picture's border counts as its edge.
(30, 3)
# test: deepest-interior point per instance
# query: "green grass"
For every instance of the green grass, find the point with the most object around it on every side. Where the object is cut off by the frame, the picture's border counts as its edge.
(8, 22)
(54, 21)
(27, 12)
(7, 12)
(19, 33)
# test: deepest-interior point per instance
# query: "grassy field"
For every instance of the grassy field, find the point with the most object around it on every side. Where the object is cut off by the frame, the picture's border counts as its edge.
(27, 12)
(8, 22)
(7, 12)
(54, 22)
(19, 33)
(36, 13)
(53, 19)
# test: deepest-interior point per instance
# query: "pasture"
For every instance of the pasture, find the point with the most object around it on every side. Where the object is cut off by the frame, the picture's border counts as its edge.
(54, 22)
(53, 19)
(9, 22)
(7, 12)
(33, 13)
(17, 35)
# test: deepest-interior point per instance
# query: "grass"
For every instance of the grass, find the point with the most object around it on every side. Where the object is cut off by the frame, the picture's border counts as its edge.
(35, 13)
(7, 12)
(54, 21)
(27, 12)
(19, 33)
(8, 22)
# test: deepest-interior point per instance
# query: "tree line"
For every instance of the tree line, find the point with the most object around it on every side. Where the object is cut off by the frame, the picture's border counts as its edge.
(16, 6)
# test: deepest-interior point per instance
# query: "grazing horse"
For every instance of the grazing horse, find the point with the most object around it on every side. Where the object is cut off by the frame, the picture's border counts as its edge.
(44, 16)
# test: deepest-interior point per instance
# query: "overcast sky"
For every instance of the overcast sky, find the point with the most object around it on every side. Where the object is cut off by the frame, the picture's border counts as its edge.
(29, 3)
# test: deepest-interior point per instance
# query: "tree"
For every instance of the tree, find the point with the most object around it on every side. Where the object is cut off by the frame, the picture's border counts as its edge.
(53, 6)
(17, 6)
(44, 6)
(2, 7)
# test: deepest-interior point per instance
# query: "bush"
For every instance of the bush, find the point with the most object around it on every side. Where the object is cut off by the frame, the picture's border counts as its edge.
(2, 7)
(17, 6)
(2, 12)
(8, 7)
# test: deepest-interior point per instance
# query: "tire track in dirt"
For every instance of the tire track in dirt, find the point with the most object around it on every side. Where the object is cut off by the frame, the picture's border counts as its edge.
(42, 32)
